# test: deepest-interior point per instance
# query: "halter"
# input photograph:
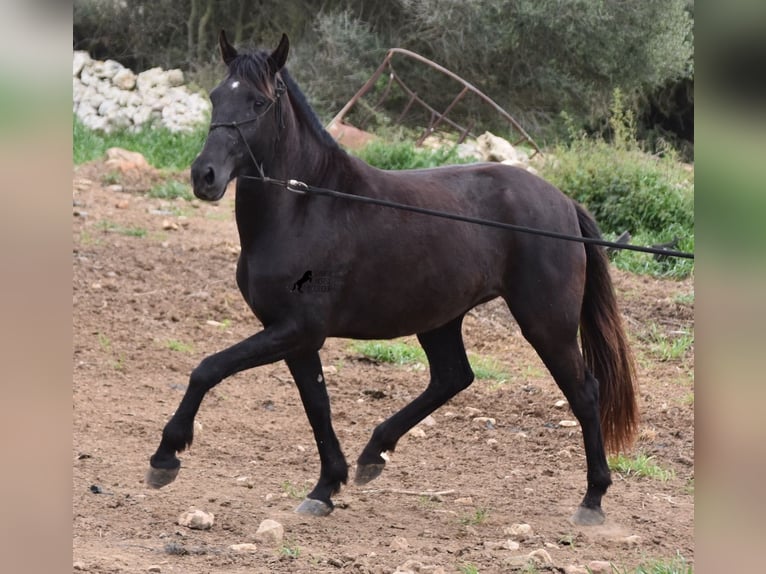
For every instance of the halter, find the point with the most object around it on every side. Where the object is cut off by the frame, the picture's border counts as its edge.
(279, 89)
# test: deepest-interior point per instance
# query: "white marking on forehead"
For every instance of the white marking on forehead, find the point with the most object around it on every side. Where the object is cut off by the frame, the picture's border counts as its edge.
(234, 85)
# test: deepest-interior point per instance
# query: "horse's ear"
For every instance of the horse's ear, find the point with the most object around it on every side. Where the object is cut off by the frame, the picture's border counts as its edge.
(278, 57)
(228, 52)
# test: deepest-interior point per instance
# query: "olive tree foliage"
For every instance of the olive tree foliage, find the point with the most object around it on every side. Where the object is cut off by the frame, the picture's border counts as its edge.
(536, 58)
(545, 56)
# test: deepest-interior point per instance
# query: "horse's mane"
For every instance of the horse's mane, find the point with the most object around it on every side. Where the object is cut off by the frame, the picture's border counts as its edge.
(253, 67)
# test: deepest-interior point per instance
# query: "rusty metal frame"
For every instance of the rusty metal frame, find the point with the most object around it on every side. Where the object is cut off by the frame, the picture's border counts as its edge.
(436, 116)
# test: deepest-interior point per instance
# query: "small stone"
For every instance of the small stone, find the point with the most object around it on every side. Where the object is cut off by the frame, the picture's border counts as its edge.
(631, 541)
(541, 557)
(399, 543)
(492, 442)
(169, 225)
(80, 566)
(486, 422)
(566, 423)
(122, 204)
(270, 532)
(154, 568)
(522, 531)
(412, 566)
(464, 501)
(245, 547)
(572, 569)
(599, 567)
(330, 370)
(417, 432)
(511, 545)
(196, 519)
(472, 411)
(560, 404)
(115, 188)
(429, 421)
(245, 481)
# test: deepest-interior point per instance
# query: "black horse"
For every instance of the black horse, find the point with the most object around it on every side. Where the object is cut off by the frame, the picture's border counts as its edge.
(261, 123)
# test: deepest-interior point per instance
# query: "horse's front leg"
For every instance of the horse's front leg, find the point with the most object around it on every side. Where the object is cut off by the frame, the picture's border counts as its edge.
(306, 369)
(270, 345)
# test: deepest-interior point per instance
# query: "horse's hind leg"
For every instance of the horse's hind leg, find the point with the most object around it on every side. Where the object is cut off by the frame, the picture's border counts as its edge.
(450, 373)
(307, 371)
(549, 322)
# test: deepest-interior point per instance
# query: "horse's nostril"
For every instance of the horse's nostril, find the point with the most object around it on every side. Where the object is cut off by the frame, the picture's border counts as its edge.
(209, 176)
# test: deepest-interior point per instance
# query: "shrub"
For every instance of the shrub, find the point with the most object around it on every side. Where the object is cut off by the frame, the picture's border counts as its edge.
(404, 155)
(627, 189)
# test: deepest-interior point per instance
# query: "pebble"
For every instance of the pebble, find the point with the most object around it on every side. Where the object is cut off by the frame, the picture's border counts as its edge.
(154, 568)
(560, 404)
(417, 432)
(541, 557)
(244, 547)
(572, 569)
(599, 567)
(399, 543)
(486, 422)
(429, 421)
(522, 530)
(464, 501)
(169, 225)
(270, 532)
(472, 411)
(330, 370)
(196, 519)
(80, 566)
(567, 423)
(631, 541)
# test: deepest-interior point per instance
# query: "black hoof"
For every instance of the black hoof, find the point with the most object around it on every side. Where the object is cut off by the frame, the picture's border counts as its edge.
(159, 477)
(313, 507)
(367, 472)
(588, 516)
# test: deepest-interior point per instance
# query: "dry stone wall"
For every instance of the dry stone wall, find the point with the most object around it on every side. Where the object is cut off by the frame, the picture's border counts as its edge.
(109, 96)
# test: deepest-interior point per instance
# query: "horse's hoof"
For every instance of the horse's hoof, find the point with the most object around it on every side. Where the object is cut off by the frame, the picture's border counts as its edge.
(313, 507)
(588, 516)
(367, 472)
(159, 477)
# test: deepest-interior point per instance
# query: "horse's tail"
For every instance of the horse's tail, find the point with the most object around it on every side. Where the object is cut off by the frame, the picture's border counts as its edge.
(605, 345)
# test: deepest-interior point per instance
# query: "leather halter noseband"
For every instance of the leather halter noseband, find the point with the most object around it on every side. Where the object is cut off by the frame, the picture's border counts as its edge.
(279, 89)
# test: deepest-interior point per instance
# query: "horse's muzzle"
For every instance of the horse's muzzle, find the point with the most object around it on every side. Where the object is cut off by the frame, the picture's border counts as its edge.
(206, 182)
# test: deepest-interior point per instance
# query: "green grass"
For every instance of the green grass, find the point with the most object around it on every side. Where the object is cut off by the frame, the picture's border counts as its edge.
(468, 569)
(677, 565)
(162, 148)
(667, 346)
(393, 352)
(171, 189)
(479, 516)
(488, 369)
(110, 227)
(640, 465)
(290, 550)
(404, 353)
(179, 346)
(293, 491)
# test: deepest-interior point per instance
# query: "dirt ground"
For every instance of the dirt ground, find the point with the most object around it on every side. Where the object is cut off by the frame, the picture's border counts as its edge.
(154, 293)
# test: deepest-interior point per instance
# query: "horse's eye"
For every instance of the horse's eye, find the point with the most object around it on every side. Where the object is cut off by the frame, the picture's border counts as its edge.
(258, 103)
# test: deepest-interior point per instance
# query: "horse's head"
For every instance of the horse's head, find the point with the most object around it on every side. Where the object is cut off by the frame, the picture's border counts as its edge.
(246, 118)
